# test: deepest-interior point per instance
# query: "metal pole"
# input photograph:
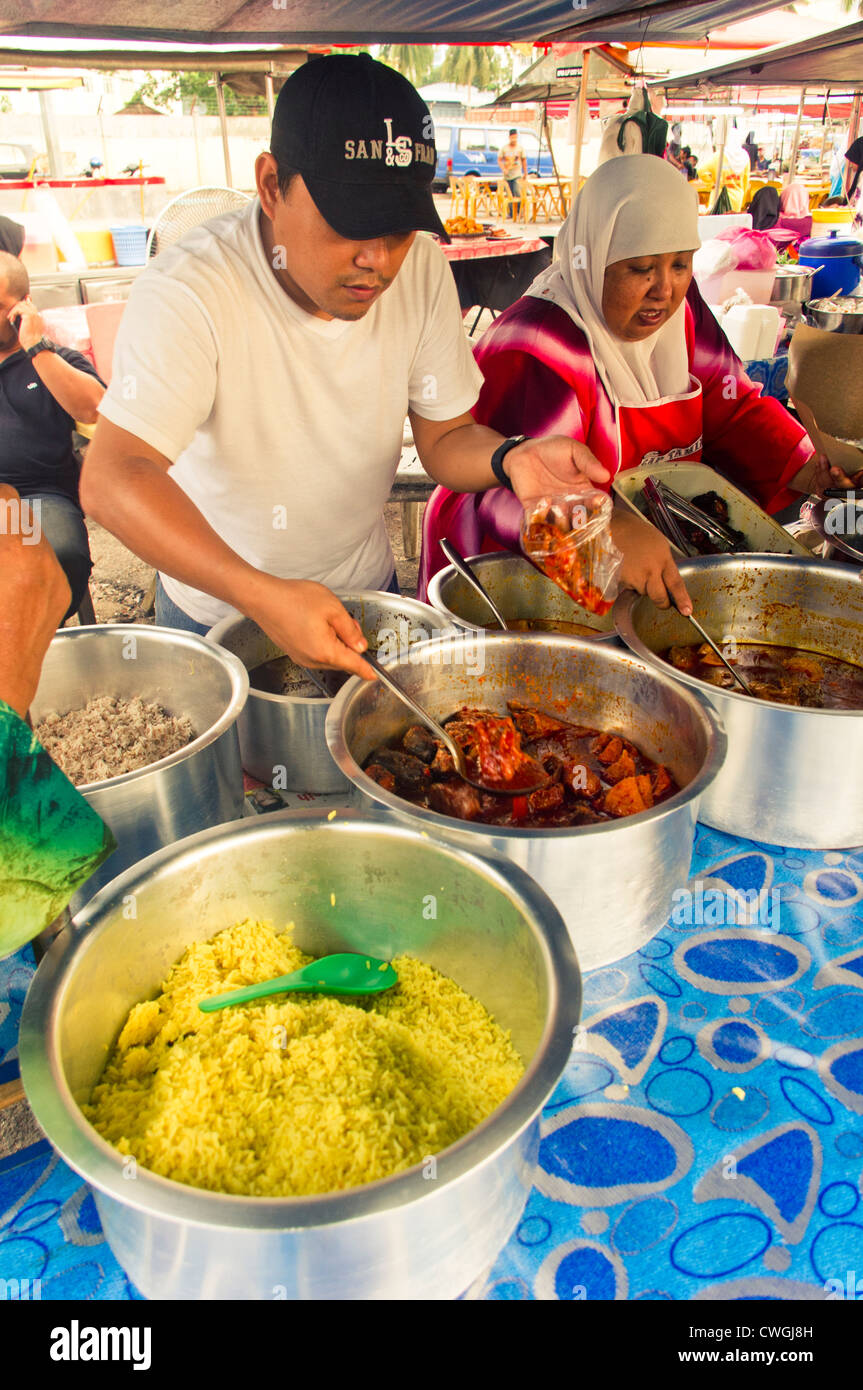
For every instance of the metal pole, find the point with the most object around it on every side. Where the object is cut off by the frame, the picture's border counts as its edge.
(55, 158)
(720, 158)
(580, 113)
(223, 120)
(271, 96)
(854, 123)
(795, 143)
(196, 138)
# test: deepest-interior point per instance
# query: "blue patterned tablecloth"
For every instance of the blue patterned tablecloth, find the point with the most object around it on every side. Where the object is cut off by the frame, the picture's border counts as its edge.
(706, 1141)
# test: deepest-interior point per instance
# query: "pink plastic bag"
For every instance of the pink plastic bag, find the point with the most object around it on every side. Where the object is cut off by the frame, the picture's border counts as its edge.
(752, 250)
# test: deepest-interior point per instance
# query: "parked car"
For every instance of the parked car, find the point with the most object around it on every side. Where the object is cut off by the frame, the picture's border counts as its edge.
(15, 160)
(473, 149)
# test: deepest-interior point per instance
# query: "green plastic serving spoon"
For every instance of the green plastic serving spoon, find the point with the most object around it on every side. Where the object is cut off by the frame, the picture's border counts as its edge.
(340, 974)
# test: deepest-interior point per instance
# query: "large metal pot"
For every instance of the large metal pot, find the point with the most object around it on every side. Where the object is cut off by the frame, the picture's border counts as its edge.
(793, 284)
(791, 775)
(839, 523)
(518, 589)
(833, 319)
(425, 1233)
(282, 736)
(198, 786)
(613, 882)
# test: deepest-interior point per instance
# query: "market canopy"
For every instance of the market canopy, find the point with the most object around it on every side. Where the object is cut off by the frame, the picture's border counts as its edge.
(373, 21)
(555, 78)
(834, 59)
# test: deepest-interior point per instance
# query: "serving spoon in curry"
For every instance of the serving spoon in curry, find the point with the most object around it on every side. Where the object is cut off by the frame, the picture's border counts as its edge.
(530, 780)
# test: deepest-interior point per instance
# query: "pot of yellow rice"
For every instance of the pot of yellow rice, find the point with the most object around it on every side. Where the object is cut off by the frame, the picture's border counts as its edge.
(379, 1147)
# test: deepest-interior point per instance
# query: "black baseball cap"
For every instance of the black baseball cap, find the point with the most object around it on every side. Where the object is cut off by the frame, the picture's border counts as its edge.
(363, 140)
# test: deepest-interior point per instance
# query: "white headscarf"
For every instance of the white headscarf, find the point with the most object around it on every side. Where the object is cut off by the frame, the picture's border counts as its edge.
(636, 205)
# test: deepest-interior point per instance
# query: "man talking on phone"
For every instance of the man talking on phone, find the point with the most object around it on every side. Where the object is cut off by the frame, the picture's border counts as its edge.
(44, 389)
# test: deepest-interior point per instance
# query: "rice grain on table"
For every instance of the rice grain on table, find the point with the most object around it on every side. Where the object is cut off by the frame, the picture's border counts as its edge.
(109, 737)
(305, 1095)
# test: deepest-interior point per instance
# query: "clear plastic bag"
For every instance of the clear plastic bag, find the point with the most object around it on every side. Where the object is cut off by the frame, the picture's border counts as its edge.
(568, 537)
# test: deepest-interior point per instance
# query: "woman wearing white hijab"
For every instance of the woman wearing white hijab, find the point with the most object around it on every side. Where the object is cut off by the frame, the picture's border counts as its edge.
(614, 347)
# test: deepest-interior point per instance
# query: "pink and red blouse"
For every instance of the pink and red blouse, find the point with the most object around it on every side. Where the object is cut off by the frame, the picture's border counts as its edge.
(541, 379)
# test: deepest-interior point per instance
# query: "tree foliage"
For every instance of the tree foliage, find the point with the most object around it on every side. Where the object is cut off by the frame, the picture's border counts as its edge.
(413, 60)
(480, 67)
(194, 90)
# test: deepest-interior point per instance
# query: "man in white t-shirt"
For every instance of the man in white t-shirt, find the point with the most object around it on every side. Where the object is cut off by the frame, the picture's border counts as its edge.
(265, 364)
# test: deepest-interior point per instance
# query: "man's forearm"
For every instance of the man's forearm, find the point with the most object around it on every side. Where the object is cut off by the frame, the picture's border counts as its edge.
(77, 392)
(461, 459)
(145, 509)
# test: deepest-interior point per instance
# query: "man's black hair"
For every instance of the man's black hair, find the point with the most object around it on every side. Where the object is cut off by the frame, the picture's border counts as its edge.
(285, 175)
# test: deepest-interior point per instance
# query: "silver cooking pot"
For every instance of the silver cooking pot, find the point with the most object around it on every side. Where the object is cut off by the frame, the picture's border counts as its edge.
(613, 882)
(839, 523)
(518, 589)
(791, 775)
(196, 787)
(793, 285)
(423, 1234)
(282, 736)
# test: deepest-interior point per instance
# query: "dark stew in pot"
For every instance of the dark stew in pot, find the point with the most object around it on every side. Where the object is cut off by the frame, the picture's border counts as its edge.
(594, 776)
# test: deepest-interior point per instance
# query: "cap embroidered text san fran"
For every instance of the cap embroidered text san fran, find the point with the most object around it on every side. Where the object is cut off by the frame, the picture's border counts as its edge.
(363, 140)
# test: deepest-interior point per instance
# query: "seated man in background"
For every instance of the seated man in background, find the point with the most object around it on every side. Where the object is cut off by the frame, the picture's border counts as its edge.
(44, 389)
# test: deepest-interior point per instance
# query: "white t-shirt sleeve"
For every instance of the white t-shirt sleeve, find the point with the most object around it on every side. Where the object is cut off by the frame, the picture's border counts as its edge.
(164, 373)
(444, 379)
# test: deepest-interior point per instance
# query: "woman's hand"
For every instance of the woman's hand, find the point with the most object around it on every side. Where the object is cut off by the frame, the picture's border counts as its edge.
(540, 467)
(818, 474)
(309, 624)
(648, 565)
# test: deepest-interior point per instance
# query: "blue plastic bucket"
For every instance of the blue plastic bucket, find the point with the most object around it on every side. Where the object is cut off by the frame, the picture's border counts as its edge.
(130, 244)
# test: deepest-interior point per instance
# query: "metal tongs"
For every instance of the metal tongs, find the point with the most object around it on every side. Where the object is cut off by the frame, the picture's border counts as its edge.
(661, 517)
(666, 507)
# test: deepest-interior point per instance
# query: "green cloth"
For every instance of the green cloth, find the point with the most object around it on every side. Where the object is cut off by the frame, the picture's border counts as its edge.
(51, 840)
(654, 130)
(722, 204)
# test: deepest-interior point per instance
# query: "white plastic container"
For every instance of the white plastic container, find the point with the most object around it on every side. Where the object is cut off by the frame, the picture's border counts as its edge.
(742, 327)
(711, 224)
(758, 284)
(768, 325)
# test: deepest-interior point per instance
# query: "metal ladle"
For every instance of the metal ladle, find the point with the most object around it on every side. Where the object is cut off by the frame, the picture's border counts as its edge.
(454, 749)
(467, 572)
(747, 689)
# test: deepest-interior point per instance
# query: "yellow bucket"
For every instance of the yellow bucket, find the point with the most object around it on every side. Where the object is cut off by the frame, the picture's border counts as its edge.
(832, 215)
(97, 245)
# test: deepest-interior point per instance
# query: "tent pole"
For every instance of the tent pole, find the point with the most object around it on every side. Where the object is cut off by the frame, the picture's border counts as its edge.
(795, 143)
(720, 158)
(271, 100)
(579, 121)
(197, 140)
(854, 122)
(223, 121)
(55, 159)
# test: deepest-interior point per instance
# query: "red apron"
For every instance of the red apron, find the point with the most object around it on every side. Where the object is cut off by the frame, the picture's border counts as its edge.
(666, 431)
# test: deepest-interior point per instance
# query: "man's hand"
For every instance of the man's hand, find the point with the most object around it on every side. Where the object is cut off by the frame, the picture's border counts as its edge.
(34, 595)
(818, 474)
(28, 321)
(539, 467)
(309, 623)
(648, 565)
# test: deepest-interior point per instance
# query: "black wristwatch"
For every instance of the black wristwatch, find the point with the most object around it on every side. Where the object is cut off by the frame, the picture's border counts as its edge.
(43, 345)
(500, 454)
